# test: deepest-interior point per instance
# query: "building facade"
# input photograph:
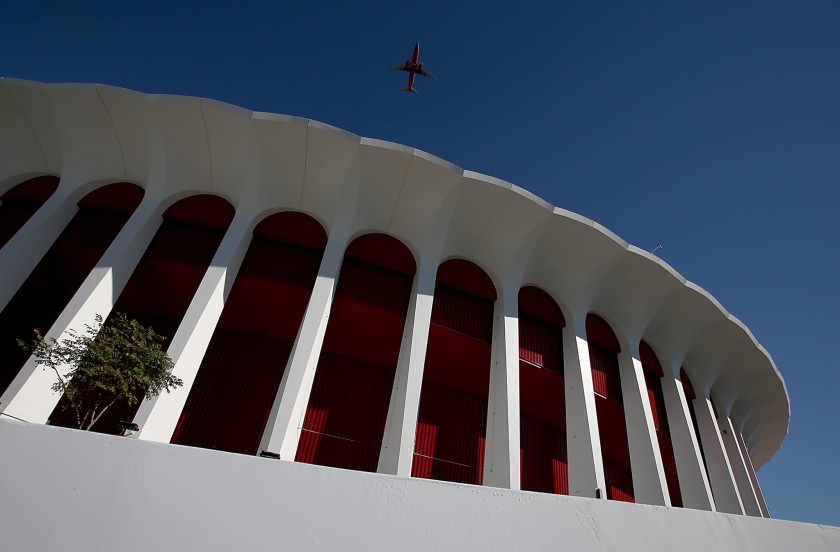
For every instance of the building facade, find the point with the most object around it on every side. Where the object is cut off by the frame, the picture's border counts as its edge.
(352, 303)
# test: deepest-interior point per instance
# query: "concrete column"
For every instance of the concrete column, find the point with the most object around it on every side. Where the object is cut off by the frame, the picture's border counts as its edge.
(501, 453)
(26, 248)
(30, 396)
(397, 454)
(649, 485)
(694, 486)
(586, 467)
(285, 421)
(159, 416)
(739, 467)
(720, 472)
(762, 504)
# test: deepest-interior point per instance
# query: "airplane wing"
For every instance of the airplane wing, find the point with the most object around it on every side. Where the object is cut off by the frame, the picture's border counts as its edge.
(427, 74)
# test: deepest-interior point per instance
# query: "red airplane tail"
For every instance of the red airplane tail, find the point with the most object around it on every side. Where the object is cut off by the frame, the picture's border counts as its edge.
(410, 89)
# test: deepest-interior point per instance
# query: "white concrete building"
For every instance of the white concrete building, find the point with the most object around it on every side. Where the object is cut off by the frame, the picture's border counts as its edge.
(343, 302)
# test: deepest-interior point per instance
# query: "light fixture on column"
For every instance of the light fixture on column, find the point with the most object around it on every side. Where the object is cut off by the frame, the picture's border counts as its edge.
(269, 454)
(127, 428)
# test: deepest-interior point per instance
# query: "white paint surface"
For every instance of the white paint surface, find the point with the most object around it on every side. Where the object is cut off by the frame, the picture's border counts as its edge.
(62, 489)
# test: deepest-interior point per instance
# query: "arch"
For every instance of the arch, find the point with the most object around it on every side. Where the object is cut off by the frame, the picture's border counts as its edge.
(653, 381)
(609, 405)
(162, 285)
(41, 298)
(542, 392)
(452, 418)
(237, 381)
(19, 203)
(345, 418)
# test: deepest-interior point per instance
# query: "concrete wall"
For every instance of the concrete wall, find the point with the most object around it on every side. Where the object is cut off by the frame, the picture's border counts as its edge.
(70, 490)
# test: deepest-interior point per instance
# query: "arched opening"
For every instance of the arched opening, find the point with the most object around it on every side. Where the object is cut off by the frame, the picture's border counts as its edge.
(348, 406)
(609, 405)
(690, 396)
(19, 204)
(452, 420)
(163, 283)
(56, 278)
(234, 390)
(542, 394)
(653, 381)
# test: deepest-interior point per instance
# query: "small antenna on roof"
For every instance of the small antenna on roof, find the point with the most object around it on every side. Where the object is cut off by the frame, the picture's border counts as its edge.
(657, 248)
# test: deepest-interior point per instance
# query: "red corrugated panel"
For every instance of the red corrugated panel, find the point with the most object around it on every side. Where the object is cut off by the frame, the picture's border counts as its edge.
(375, 286)
(231, 398)
(463, 313)
(657, 402)
(21, 202)
(605, 373)
(619, 481)
(345, 418)
(540, 344)
(43, 296)
(598, 332)
(537, 304)
(451, 426)
(290, 264)
(669, 464)
(543, 461)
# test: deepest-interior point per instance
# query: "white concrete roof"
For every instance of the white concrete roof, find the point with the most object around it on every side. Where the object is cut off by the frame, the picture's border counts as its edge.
(172, 145)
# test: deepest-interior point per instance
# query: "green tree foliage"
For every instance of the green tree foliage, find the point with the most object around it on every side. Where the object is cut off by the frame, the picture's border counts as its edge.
(118, 361)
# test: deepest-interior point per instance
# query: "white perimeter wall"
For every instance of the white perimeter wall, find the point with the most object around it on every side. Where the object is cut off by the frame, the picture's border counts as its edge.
(62, 489)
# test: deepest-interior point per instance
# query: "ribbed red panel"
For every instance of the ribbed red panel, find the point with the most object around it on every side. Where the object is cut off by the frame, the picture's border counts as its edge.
(451, 426)
(605, 374)
(21, 202)
(544, 465)
(375, 286)
(463, 313)
(43, 296)
(669, 464)
(232, 395)
(290, 264)
(539, 305)
(688, 389)
(540, 344)
(345, 418)
(619, 481)
(598, 332)
(657, 402)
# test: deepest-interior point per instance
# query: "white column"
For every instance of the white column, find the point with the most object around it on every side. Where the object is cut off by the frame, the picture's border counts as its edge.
(397, 452)
(27, 247)
(649, 485)
(30, 396)
(501, 453)
(694, 486)
(586, 467)
(159, 416)
(762, 504)
(720, 472)
(282, 432)
(739, 467)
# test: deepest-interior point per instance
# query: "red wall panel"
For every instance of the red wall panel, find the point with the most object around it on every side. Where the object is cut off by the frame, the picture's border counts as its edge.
(463, 313)
(544, 463)
(345, 418)
(605, 373)
(540, 344)
(451, 426)
(231, 398)
(21, 202)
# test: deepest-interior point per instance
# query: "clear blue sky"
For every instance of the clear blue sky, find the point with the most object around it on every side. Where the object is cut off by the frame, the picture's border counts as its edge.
(712, 128)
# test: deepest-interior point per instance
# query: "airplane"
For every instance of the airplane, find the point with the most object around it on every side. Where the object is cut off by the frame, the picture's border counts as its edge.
(413, 67)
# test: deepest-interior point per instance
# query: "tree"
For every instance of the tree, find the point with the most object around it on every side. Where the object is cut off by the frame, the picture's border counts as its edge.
(117, 361)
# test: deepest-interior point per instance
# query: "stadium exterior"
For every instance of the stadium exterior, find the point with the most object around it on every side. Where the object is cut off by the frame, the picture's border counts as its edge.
(343, 302)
